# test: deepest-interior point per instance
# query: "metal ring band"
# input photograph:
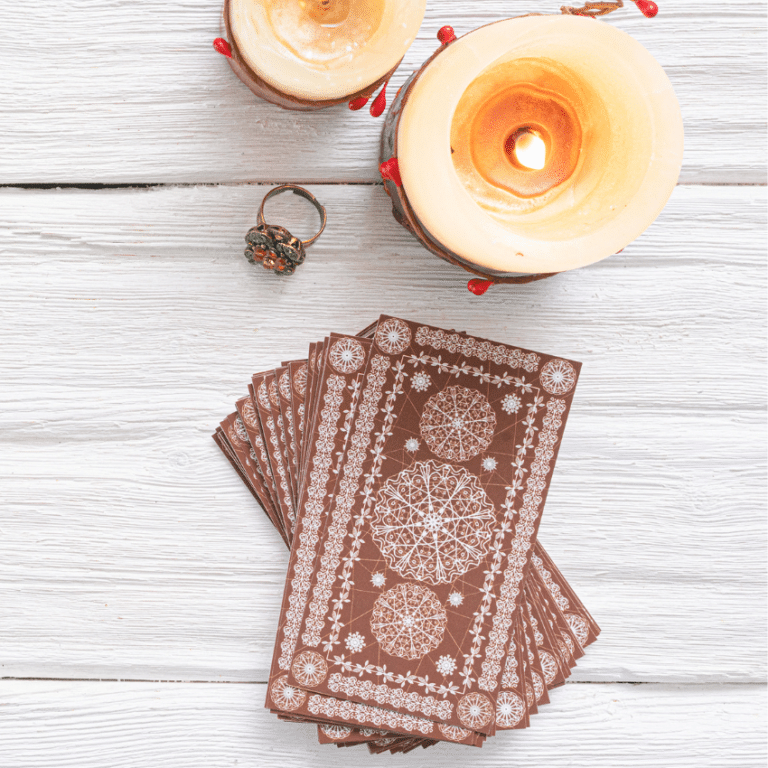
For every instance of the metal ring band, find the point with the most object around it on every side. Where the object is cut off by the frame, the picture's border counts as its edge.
(301, 192)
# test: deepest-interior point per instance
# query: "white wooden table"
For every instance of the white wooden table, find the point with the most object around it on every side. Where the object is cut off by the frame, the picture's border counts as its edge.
(139, 585)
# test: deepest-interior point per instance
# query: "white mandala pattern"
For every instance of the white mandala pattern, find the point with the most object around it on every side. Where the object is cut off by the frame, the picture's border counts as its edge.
(538, 685)
(580, 628)
(557, 377)
(509, 709)
(432, 522)
(309, 668)
(347, 355)
(261, 393)
(445, 665)
(335, 731)
(490, 464)
(240, 429)
(454, 732)
(475, 710)
(378, 579)
(412, 445)
(511, 404)
(249, 414)
(285, 386)
(420, 381)
(455, 599)
(300, 381)
(393, 336)
(273, 396)
(408, 621)
(458, 423)
(355, 642)
(286, 696)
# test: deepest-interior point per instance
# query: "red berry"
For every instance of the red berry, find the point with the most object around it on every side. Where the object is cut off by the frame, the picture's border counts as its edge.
(358, 103)
(446, 35)
(223, 47)
(390, 171)
(478, 286)
(380, 102)
(648, 8)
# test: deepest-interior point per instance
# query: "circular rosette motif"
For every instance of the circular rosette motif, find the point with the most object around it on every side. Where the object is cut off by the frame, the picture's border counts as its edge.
(475, 710)
(432, 522)
(335, 731)
(548, 665)
(286, 696)
(408, 621)
(250, 417)
(285, 386)
(309, 668)
(538, 685)
(347, 355)
(509, 709)
(454, 732)
(273, 398)
(579, 626)
(300, 381)
(393, 336)
(557, 377)
(458, 423)
(261, 393)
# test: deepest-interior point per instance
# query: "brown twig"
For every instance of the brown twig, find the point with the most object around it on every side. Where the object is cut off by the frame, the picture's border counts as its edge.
(599, 8)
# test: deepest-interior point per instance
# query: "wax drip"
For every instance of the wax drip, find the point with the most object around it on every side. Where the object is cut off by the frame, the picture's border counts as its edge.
(390, 171)
(358, 103)
(600, 7)
(446, 35)
(380, 102)
(479, 286)
(221, 46)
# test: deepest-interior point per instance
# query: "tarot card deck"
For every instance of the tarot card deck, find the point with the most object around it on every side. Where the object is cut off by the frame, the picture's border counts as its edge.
(407, 468)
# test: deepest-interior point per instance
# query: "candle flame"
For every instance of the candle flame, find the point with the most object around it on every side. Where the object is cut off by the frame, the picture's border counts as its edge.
(530, 150)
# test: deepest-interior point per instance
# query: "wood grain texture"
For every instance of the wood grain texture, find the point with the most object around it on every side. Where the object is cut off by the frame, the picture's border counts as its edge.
(115, 92)
(131, 323)
(114, 725)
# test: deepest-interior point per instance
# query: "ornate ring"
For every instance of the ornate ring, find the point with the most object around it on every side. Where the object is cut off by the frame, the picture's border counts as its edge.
(275, 247)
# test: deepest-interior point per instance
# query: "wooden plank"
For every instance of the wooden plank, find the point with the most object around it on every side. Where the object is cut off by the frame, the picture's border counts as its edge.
(113, 725)
(110, 93)
(131, 322)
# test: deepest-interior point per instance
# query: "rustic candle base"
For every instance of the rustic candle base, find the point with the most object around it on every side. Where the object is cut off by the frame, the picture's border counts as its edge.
(265, 91)
(402, 210)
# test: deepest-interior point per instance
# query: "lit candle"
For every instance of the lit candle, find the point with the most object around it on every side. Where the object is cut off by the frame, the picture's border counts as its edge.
(309, 54)
(534, 145)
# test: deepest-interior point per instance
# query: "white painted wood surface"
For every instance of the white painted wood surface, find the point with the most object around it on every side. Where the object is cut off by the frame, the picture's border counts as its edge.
(129, 323)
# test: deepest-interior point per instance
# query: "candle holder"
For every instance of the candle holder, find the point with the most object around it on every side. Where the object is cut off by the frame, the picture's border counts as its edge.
(531, 146)
(299, 70)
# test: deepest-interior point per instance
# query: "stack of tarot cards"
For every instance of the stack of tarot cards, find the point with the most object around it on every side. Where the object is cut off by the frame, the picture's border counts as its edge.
(406, 468)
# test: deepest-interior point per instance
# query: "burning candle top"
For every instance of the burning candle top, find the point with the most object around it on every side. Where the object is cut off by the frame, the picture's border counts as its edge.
(323, 49)
(539, 144)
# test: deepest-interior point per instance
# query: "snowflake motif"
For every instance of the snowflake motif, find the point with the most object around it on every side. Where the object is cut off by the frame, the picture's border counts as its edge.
(458, 423)
(454, 732)
(511, 404)
(309, 668)
(300, 381)
(335, 731)
(408, 621)
(347, 355)
(355, 642)
(286, 696)
(475, 710)
(432, 522)
(393, 336)
(579, 627)
(455, 599)
(489, 463)
(412, 445)
(445, 665)
(509, 709)
(557, 377)
(420, 381)
(378, 579)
